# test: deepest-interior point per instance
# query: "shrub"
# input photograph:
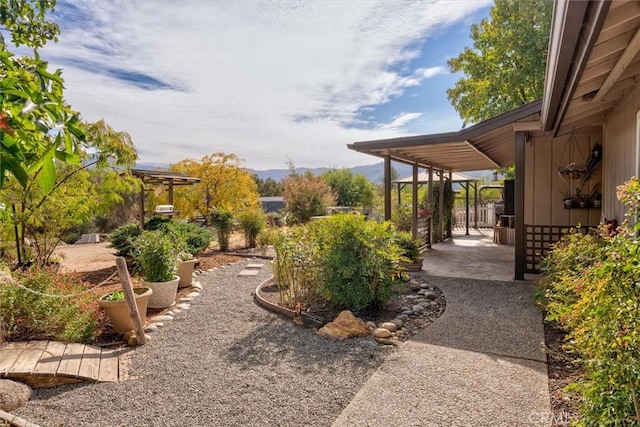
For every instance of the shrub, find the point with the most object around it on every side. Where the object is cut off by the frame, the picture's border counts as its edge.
(306, 196)
(410, 247)
(122, 238)
(222, 220)
(358, 261)
(401, 217)
(157, 256)
(295, 266)
(251, 223)
(189, 237)
(25, 314)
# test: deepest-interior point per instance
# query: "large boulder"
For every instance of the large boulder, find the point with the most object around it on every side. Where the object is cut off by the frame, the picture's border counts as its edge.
(13, 395)
(346, 325)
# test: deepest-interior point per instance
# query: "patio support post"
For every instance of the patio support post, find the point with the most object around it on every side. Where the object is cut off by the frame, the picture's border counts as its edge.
(520, 244)
(387, 187)
(171, 192)
(414, 202)
(467, 205)
(441, 206)
(142, 206)
(430, 198)
(475, 202)
(450, 220)
(399, 194)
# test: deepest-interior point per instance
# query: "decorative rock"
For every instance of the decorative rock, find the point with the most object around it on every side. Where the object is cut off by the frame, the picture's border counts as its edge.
(407, 313)
(430, 295)
(197, 286)
(13, 395)
(412, 296)
(151, 328)
(417, 309)
(193, 294)
(420, 301)
(381, 333)
(403, 317)
(385, 341)
(404, 308)
(371, 325)
(157, 324)
(170, 314)
(398, 322)
(425, 286)
(346, 325)
(182, 307)
(161, 319)
(185, 299)
(390, 326)
(174, 311)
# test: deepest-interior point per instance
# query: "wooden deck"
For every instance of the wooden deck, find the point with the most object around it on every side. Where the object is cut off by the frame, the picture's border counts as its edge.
(51, 363)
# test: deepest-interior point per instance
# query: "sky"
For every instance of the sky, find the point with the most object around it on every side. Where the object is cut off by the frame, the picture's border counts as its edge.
(270, 81)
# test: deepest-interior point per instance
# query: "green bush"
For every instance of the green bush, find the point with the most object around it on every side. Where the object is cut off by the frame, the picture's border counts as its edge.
(122, 238)
(222, 220)
(251, 222)
(593, 289)
(401, 217)
(157, 256)
(358, 261)
(25, 314)
(295, 266)
(189, 237)
(410, 247)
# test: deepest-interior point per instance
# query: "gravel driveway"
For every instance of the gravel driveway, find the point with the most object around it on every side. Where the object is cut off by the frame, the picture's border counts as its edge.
(224, 362)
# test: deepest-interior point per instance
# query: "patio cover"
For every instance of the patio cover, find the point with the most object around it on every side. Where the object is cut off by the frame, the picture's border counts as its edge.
(483, 146)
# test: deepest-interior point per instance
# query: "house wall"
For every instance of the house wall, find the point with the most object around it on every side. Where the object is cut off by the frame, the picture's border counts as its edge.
(544, 187)
(619, 161)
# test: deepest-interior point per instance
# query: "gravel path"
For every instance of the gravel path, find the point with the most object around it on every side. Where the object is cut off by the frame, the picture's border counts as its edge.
(225, 362)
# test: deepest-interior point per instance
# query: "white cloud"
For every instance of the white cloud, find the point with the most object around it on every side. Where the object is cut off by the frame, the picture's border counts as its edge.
(266, 80)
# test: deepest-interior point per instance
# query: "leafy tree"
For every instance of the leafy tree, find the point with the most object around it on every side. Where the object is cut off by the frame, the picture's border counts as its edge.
(268, 187)
(224, 184)
(79, 191)
(505, 67)
(306, 196)
(36, 124)
(350, 189)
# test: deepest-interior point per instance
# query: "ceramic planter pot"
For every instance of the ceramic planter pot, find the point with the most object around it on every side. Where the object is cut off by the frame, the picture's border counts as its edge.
(185, 271)
(118, 311)
(164, 293)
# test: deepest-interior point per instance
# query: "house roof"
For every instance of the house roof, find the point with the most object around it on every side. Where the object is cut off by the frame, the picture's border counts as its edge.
(486, 145)
(593, 62)
(164, 177)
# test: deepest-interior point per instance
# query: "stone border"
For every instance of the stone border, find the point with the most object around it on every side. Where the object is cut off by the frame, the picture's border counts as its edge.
(287, 312)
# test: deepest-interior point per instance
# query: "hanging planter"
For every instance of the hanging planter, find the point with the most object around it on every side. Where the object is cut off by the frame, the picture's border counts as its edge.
(572, 170)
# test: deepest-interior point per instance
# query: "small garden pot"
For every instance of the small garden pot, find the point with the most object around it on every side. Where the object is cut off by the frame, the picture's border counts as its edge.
(414, 266)
(118, 311)
(164, 293)
(185, 271)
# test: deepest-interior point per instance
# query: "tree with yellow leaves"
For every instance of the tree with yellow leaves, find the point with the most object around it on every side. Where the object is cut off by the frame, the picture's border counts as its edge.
(224, 184)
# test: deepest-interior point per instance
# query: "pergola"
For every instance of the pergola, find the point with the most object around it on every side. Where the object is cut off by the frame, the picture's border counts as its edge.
(465, 181)
(160, 177)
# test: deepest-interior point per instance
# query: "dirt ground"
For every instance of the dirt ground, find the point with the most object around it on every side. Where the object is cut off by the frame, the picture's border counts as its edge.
(86, 257)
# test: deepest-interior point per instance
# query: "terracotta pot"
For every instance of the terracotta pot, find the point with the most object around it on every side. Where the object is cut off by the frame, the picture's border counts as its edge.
(118, 311)
(185, 271)
(164, 293)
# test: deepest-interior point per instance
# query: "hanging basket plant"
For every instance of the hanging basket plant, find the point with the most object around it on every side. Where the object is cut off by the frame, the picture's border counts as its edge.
(572, 170)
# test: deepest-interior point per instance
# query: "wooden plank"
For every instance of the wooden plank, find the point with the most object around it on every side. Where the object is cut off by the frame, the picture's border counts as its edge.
(70, 363)
(90, 364)
(29, 357)
(50, 358)
(109, 362)
(9, 353)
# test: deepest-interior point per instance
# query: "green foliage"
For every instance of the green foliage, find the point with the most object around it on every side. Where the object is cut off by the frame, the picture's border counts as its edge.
(123, 237)
(268, 187)
(157, 256)
(306, 196)
(222, 220)
(505, 67)
(350, 190)
(25, 20)
(593, 289)
(358, 261)
(401, 217)
(188, 237)
(251, 222)
(71, 319)
(434, 207)
(296, 266)
(410, 246)
(114, 296)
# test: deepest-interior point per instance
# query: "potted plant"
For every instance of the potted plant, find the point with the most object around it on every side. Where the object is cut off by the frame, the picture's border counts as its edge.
(410, 250)
(597, 200)
(185, 269)
(117, 309)
(567, 199)
(157, 258)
